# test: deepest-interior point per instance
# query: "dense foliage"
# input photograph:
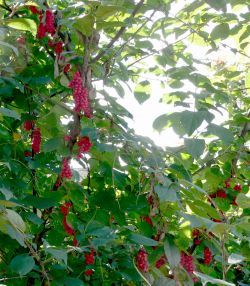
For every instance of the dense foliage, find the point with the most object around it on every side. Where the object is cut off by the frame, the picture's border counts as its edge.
(134, 213)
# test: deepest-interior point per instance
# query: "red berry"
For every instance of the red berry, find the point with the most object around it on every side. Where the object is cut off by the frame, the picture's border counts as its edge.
(238, 188)
(75, 242)
(197, 241)
(50, 43)
(67, 68)
(89, 257)
(27, 125)
(187, 261)
(58, 48)
(84, 144)
(142, 260)
(89, 272)
(41, 31)
(227, 183)
(34, 10)
(150, 200)
(195, 232)
(27, 154)
(148, 220)
(221, 194)
(207, 256)
(234, 202)
(216, 220)
(36, 140)
(80, 95)
(67, 227)
(161, 261)
(66, 171)
(49, 24)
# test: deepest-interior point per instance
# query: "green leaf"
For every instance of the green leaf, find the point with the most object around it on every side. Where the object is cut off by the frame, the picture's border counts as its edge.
(15, 220)
(161, 122)
(142, 91)
(217, 5)
(205, 279)
(224, 134)
(195, 147)
(172, 253)
(103, 12)
(40, 203)
(22, 264)
(9, 113)
(143, 240)
(52, 144)
(243, 201)
(221, 31)
(70, 281)
(8, 204)
(247, 80)
(166, 193)
(15, 50)
(191, 120)
(85, 25)
(235, 258)
(22, 24)
(60, 255)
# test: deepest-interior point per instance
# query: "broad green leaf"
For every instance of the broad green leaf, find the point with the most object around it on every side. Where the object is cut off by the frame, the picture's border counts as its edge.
(243, 201)
(224, 134)
(60, 255)
(22, 264)
(85, 25)
(221, 31)
(143, 240)
(235, 258)
(247, 80)
(142, 91)
(71, 281)
(15, 50)
(195, 147)
(24, 24)
(218, 5)
(172, 253)
(40, 203)
(103, 12)
(52, 144)
(166, 193)
(161, 122)
(206, 279)
(191, 120)
(8, 204)
(15, 220)
(9, 113)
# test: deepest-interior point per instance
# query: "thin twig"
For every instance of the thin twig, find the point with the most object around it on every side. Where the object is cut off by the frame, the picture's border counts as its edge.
(118, 34)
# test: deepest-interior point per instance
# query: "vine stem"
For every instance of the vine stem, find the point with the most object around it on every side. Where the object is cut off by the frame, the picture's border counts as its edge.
(224, 258)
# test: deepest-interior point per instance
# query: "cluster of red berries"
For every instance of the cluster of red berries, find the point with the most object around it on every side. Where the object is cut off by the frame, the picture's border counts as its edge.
(58, 47)
(222, 193)
(80, 95)
(28, 125)
(34, 10)
(68, 229)
(84, 144)
(89, 260)
(46, 25)
(142, 260)
(66, 171)
(207, 256)
(196, 236)
(187, 261)
(160, 262)
(36, 140)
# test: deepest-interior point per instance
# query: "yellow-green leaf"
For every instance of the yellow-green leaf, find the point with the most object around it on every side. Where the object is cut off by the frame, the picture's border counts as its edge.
(23, 24)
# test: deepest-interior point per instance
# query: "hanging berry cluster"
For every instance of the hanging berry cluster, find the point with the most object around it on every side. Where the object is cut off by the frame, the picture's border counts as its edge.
(68, 229)
(89, 260)
(80, 95)
(35, 135)
(46, 25)
(142, 260)
(207, 256)
(187, 261)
